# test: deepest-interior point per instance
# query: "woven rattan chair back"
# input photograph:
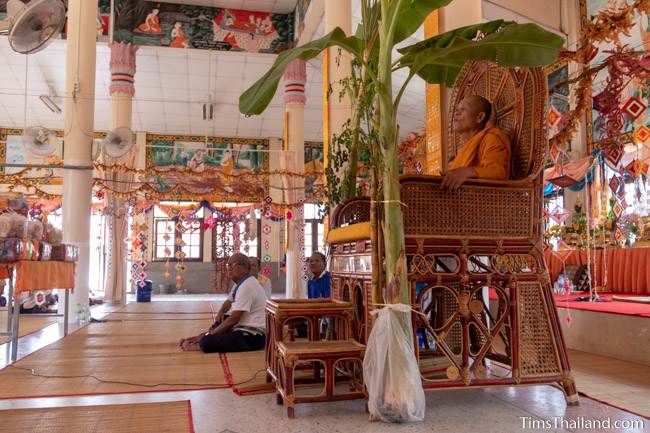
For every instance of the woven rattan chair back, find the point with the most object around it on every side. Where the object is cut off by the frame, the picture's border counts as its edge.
(518, 98)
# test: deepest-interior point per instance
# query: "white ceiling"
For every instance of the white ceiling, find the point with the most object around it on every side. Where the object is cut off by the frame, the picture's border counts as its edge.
(171, 87)
(277, 6)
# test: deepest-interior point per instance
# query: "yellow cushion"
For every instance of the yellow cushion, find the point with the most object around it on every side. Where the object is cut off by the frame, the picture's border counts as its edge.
(353, 232)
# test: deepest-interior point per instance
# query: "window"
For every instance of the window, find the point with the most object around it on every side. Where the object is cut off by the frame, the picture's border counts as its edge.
(314, 229)
(231, 237)
(172, 238)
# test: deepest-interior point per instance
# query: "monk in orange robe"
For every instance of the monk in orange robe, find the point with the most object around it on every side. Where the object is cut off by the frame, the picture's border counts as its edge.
(152, 23)
(486, 152)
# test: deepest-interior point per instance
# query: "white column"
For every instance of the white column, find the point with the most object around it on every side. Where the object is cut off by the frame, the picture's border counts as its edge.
(294, 99)
(338, 13)
(79, 127)
(122, 89)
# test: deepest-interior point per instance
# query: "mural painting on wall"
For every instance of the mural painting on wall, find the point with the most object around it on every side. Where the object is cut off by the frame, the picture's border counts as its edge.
(189, 26)
(223, 168)
(635, 118)
(103, 18)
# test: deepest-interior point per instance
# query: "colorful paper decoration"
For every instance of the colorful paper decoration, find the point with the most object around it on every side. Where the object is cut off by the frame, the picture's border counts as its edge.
(624, 204)
(560, 215)
(614, 184)
(617, 209)
(554, 116)
(633, 168)
(602, 102)
(555, 152)
(613, 155)
(633, 108)
(39, 298)
(642, 133)
(618, 234)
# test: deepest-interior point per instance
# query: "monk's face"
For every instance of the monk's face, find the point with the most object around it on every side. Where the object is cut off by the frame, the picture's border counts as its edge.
(467, 116)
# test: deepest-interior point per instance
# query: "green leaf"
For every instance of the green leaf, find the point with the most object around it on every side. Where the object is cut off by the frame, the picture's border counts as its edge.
(440, 60)
(257, 97)
(412, 14)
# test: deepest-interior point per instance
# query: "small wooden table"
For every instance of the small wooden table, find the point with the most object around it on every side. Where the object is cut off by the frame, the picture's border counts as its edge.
(34, 275)
(281, 311)
(337, 356)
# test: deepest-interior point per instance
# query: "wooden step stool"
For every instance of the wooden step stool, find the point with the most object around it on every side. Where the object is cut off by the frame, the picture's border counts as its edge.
(334, 355)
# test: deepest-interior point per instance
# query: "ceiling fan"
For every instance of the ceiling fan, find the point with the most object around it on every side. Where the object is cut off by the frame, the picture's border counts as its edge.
(40, 141)
(32, 26)
(118, 142)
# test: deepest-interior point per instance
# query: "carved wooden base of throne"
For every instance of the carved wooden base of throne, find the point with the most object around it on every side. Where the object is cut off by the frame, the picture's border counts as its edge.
(472, 341)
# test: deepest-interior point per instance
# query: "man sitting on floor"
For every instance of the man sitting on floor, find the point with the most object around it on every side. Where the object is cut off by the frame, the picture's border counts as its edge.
(486, 152)
(240, 324)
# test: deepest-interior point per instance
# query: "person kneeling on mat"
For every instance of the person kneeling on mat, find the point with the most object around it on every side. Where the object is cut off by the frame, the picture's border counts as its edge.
(240, 325)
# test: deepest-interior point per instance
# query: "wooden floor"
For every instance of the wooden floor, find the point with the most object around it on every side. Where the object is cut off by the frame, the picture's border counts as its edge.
(171, 417)
(619, 383)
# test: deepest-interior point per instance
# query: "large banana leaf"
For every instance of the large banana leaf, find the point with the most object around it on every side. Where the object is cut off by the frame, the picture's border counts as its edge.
(412, 14)
(439, 59)
(257, 97)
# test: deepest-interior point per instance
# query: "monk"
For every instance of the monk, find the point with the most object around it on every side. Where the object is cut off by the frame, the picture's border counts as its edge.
(486, 152)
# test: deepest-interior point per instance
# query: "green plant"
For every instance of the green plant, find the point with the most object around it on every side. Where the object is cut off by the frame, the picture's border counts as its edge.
(385, 23)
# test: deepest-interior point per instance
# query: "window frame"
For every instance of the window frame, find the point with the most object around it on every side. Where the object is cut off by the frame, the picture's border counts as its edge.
(258, 248)
(177, 235)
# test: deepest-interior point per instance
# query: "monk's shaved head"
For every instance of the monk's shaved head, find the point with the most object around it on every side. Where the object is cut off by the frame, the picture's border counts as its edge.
(480, 105)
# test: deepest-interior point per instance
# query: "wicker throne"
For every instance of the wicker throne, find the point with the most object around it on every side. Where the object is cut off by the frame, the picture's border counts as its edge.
(486, 235)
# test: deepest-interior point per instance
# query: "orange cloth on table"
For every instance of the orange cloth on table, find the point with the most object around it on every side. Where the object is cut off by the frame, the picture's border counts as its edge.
(44, 275)
(488, 152)
(627, 268)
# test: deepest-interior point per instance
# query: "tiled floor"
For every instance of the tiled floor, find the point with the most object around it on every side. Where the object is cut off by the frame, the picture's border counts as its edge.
(508, 409)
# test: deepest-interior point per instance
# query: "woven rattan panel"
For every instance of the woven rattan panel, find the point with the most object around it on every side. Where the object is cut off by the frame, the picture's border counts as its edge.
(474, 211)
(449, 305)
(537, 350)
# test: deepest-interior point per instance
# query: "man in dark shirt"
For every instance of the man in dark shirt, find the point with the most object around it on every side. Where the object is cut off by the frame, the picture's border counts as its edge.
(319, 286)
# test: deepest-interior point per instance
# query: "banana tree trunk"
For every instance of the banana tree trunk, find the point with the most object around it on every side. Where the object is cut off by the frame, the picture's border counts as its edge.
(395, 257)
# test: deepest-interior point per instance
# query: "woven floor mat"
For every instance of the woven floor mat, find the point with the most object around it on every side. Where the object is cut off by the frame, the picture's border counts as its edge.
(172, 417)
(28, 324)
(134, 356)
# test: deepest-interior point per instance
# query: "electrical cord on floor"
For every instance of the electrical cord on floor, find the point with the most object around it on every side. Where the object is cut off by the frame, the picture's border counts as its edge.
(118, 382)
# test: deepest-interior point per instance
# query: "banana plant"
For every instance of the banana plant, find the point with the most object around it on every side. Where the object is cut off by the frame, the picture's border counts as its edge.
(437, 60)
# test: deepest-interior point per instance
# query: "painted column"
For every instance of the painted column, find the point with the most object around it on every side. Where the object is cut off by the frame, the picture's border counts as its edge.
(433, 112)
(338, 13)
(294, 101)
(79, 128)
(122, 89)
(458, 13)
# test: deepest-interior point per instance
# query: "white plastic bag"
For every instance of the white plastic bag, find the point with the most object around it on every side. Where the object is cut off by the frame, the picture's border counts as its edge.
(390, 370)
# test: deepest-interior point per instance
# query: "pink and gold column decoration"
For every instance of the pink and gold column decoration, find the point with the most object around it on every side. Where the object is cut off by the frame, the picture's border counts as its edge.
(295, 79)
(122, 89)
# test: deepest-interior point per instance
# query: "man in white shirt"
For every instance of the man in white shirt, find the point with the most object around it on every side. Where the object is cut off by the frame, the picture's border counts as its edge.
(264, 281)
(240, 325)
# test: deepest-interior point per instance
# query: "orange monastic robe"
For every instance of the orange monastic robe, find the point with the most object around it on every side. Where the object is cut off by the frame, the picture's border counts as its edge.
(488, 152)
